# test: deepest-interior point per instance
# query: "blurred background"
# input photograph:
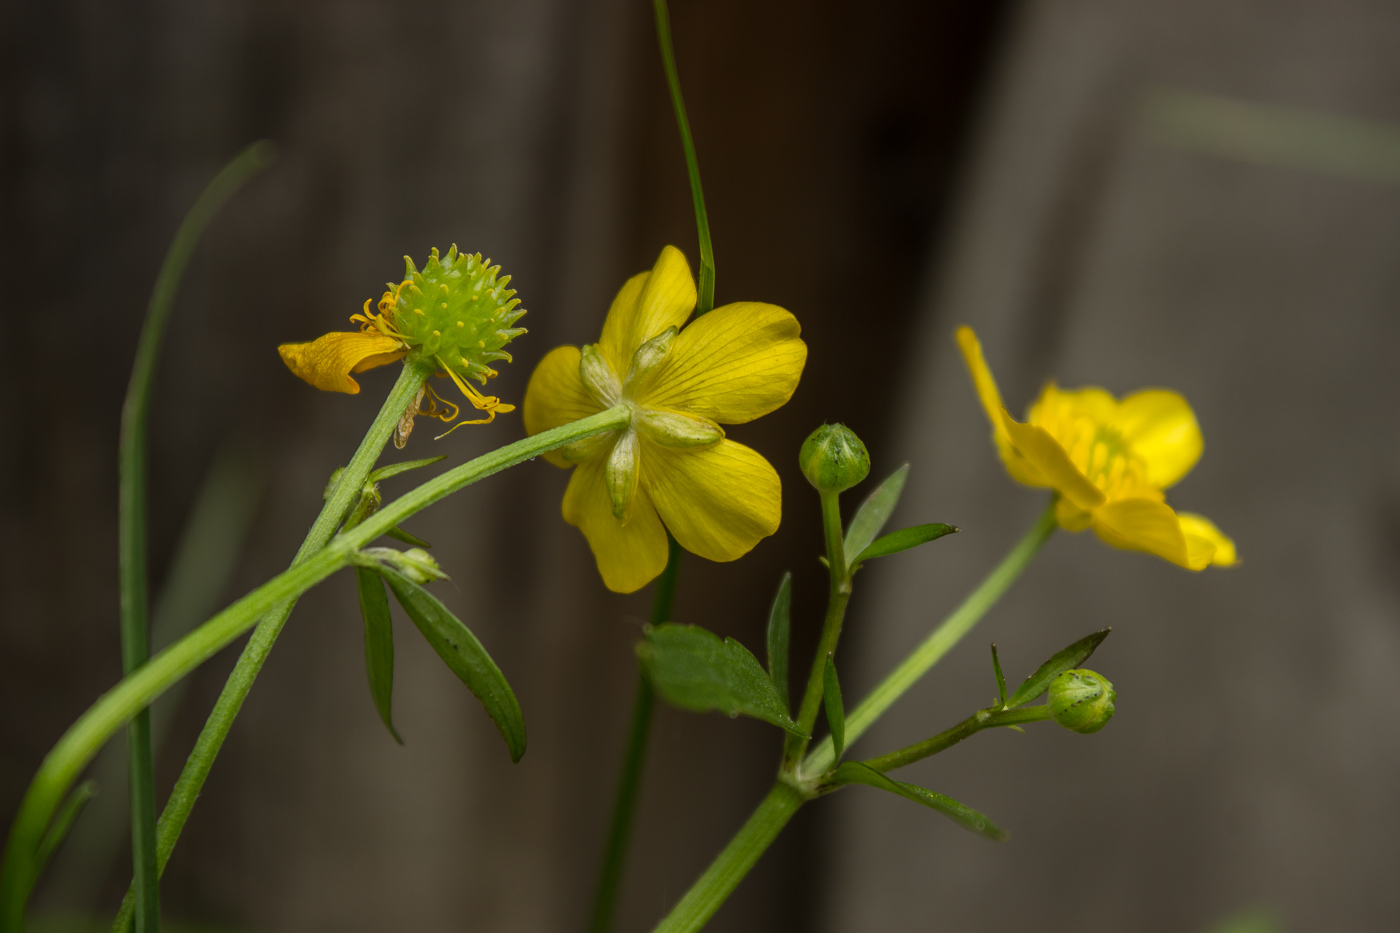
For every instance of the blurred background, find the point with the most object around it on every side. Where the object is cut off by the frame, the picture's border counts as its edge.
(1198, 195)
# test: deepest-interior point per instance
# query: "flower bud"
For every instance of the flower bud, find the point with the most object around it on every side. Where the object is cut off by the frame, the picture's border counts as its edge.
(415, 563)
(833, 459)
(1082, 700)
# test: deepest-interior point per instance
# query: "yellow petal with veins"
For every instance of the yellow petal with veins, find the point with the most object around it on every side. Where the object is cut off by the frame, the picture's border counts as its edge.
(1161, 428)
(556, 395)
(1143, 525)
(735, 364)
(1051, 462)
(630, 555)
(718, 501)
(990, 397)
(648, 304)
(1205, 542)
(328, 361)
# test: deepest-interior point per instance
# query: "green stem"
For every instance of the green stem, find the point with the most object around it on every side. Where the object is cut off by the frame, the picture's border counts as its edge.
(115, 708)
(131, 514)
(982, 719)
(839, 595)
(706, 284)
(724, 874)
(629, 782)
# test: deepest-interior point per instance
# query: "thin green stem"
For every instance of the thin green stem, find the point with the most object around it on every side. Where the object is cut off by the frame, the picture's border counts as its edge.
(132, 576)
(115, 708)
(629, 782)
(839, 576)
(706, 283)
(982, 719)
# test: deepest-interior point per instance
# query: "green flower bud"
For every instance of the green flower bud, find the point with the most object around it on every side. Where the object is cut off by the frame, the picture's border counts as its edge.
(415, 563)
(1082, 700)
(833, 459)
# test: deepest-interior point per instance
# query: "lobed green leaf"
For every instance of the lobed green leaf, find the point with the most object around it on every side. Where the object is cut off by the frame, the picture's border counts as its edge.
(903, 540)
(379, 645)
(870, 518)
(1066, 659)
(853, 772)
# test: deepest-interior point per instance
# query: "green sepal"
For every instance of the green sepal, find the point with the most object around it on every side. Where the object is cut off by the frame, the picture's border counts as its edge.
(463, 653)
(903, 540)
(63, 821)
(853, 772)
(696, 670)
(835, 710)
(1063, 660)
(870, 518)
(379, 645)
(394, 469)
(1001, 678)
(398, 534)
(779, 638)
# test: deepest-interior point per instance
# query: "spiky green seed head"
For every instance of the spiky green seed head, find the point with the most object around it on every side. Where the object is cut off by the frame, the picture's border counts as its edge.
(457, 310)
(833, 459)
(1082, 700)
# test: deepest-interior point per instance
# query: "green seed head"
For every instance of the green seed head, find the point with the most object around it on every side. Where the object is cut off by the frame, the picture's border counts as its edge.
(833, 459)
(1082, 700)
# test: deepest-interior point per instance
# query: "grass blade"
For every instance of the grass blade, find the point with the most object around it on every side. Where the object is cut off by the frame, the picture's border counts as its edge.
(379, 645)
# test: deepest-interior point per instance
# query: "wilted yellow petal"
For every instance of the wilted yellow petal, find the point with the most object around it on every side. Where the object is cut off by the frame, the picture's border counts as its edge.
(556, 396)
(735, 364)
(718, 502)
(990, 397)
(1161, 429)
(648, 304)
(1143, 525)
(629, 555)
(1206, 543)
(328, 361)
(1051, 463)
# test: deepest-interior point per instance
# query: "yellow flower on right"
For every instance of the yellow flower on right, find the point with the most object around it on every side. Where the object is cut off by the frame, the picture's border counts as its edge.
(1109, 460)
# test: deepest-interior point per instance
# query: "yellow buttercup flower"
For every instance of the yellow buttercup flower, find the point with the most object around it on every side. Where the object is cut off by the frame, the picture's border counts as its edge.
(671, 467)
(1109, 460)
(455, 312)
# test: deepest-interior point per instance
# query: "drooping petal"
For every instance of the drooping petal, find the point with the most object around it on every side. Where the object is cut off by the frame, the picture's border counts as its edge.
(735, 364)
(556, 395)
(990, 397)
(630, 555)
(648, 304)
(718, 501)
(1051, 463)
(1143, 525)
(1206, 543)
(1162, 430)
(328, 361)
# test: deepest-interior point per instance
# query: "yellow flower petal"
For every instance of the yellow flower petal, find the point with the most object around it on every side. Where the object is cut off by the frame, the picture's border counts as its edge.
(328, 361)
(556, 395)
(735, 364)
(1143, 525)
(1051, 463)
(1016, 465)
(1162, 430)
(648, 304)
(1059, 409)
(719, 501)
(1205, 542)
(629, 555)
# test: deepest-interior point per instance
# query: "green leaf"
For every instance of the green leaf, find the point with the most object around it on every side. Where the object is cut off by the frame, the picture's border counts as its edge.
(62, 822)
(853, 772)
(459, 648)
(1066, 660)
(394, 469)
(903, 540)
(695, 670)
(1001, 678)
(835, 711)
(398, 534)
(379, 645)
(873, 513)
(779, 632)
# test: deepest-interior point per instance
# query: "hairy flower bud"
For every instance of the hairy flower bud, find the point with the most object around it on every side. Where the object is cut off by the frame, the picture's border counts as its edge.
(1082, 700)
(833, 459)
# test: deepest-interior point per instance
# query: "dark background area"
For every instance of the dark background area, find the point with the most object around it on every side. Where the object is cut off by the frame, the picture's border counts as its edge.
(885, 173)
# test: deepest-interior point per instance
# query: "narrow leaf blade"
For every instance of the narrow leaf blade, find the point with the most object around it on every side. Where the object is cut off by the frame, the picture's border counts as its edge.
(1001, 678)
(853, 772)
(394, 469)
(835, 710)
(461, 651)
(379, 645)
(779, 638)
(62, 822)
(903, 540)
(398, 534)
(1064, 660)
(874, 512)
(695, 670)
